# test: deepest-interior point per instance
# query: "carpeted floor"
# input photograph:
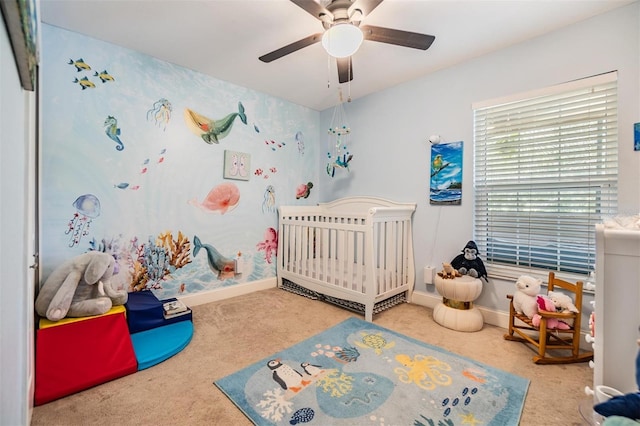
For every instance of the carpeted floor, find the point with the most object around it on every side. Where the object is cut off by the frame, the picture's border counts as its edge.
(234, 333)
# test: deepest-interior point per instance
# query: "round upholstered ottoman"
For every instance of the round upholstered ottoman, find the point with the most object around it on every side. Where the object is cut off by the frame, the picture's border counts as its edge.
(456, 311)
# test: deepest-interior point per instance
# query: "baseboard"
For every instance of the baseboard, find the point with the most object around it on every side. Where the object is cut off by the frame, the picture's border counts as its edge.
(228, 292)
(491, 317)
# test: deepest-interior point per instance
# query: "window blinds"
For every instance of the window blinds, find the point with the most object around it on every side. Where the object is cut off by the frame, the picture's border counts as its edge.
(545, 173)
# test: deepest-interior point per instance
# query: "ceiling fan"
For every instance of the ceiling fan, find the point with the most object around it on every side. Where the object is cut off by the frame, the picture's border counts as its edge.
(347, 15)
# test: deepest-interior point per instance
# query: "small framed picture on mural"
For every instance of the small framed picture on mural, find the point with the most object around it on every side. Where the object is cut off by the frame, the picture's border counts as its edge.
(636, 137)
(446, 174)
(237, 165)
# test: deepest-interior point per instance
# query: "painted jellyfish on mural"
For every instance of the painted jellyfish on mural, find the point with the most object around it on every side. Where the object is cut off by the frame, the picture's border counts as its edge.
(269, 202)
(300, 141)
(160, 112)
(87, 208)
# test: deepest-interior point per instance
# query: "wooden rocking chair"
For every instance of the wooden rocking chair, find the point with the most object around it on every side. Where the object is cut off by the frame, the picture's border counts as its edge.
(546, 339)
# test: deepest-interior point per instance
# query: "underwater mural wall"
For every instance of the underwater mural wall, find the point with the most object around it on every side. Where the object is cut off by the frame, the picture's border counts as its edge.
(132, 163)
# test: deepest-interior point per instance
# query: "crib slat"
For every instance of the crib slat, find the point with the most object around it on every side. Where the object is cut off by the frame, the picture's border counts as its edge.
(406, 239)
(298, 250)
(350, 260)
(359, 278)
(287, 240)
(343, 260)
(325, 254)
(399, 252)
(283, 237)
(304, 244)
(390, 265)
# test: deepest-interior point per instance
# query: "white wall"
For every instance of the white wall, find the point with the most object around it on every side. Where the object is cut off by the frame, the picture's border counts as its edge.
(16, 282)
(390, 128)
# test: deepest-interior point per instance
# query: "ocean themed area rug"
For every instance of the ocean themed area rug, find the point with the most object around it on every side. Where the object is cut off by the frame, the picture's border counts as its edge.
(358, 373)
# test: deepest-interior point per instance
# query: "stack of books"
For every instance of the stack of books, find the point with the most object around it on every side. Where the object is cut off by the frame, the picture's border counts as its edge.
(175, 308)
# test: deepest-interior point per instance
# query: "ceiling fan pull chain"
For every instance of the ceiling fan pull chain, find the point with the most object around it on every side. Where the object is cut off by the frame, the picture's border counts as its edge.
(349, 83)
(328, 71)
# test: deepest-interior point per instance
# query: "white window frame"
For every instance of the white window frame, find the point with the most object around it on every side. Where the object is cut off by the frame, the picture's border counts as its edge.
(545, 172)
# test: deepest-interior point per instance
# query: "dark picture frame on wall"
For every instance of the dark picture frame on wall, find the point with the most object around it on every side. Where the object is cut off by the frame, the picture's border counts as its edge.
(445, 182)
(21, 22)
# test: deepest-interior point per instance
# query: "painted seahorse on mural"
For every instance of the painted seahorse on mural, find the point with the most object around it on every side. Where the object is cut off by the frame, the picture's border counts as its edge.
(113, 131)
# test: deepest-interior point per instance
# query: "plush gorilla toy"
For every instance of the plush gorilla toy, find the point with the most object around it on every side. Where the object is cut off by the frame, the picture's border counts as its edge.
(468, 262)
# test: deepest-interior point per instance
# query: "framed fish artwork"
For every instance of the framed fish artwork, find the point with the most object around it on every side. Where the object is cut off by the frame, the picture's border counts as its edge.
(445, 182)
(237, 165)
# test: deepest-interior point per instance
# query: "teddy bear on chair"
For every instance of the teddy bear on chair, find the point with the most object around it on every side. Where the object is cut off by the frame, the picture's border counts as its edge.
(80, 287)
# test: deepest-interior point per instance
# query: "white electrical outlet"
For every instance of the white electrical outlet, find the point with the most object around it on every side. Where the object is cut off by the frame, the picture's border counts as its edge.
(429, 271)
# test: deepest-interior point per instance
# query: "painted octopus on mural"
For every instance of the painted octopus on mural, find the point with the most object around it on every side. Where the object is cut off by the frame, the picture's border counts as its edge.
(270, 244)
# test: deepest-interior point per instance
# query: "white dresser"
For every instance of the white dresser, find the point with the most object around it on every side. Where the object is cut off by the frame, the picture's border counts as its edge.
(617, 308)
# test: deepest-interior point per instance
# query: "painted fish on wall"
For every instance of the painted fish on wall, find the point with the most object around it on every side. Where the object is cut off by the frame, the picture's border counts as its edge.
(224, 266)
(80, 64)
(221, 199)
(211, 131)
(104, 76)
(85, 83)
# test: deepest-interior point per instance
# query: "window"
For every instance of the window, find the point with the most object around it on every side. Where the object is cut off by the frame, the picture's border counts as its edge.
(545, 173)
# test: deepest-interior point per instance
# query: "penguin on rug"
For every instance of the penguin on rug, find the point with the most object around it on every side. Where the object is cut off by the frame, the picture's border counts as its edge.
(311, 370)
(287, 377)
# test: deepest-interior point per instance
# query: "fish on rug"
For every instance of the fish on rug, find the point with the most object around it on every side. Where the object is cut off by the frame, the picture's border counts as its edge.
(360, 373)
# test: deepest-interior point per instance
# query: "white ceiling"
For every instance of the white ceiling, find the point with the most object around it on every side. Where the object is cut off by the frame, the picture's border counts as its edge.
(224, 38)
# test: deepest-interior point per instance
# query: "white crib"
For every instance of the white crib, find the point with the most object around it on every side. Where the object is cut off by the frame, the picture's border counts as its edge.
(356, 252)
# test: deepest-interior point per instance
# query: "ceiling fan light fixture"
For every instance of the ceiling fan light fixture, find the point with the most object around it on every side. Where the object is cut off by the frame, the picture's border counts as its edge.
(342, 40)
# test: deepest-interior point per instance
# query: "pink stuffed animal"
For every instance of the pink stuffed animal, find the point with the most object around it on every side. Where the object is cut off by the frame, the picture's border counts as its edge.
(546, 304)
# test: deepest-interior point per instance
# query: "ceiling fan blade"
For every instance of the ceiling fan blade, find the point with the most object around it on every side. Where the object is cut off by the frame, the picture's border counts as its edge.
(345, 69)
(313, 8)
(290, 48)
(366, 6)
(397, 37)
